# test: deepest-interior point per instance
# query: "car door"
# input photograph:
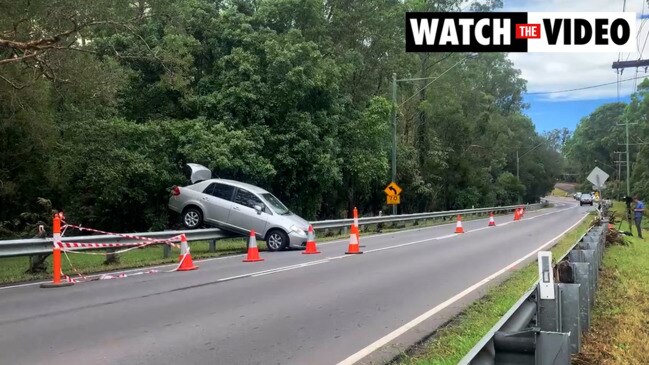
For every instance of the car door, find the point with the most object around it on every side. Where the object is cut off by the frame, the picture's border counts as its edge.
(218, 200)
(243, 213)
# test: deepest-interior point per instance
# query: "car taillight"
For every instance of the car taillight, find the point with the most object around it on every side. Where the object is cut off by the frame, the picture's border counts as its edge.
(175, 191)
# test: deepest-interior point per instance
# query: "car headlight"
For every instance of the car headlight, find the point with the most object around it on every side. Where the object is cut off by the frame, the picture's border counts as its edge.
(297, 230)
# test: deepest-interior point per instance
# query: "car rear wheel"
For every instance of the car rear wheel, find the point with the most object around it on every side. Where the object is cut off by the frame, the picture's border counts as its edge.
(192, 218)
(276, 240)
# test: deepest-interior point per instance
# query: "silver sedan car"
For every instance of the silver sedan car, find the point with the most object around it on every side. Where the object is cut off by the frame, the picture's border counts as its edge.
(239, 207)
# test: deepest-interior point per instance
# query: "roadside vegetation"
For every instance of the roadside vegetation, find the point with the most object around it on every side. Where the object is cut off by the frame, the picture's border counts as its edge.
(105, 101)
(452, 341)
(598, 140)
(618, 333)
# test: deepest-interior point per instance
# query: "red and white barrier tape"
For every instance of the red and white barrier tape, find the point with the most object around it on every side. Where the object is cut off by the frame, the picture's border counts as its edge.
(124, 275)
(67, 278)
(70, 246)
(64, 245)
(64, 249)
(152, 240)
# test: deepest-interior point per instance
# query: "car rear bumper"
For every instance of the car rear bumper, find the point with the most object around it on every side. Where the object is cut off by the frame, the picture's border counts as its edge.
(175, 205)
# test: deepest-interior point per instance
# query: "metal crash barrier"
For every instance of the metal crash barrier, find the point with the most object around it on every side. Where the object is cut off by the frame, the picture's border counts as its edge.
(545, 326)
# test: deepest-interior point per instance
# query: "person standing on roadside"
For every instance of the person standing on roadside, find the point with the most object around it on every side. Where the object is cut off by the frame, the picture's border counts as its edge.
(639, 212)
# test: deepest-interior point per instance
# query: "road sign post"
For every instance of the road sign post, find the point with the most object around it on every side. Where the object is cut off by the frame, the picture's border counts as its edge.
(598, 178)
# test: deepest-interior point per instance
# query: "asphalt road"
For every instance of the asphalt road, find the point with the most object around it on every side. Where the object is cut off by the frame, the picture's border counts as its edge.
(289, 309)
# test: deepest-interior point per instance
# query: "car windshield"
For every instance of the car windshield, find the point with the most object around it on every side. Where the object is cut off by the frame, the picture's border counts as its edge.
(277, 205)
(585, 196)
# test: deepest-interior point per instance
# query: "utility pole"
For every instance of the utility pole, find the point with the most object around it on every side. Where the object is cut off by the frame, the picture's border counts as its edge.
(619, 163)
(620, 66)
(394, 134)
(628, 166)
(518, 164)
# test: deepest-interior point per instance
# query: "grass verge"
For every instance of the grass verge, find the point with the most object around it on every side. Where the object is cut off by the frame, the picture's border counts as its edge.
(14, 269)
(618, 333)
(560, 192)
(452, 341)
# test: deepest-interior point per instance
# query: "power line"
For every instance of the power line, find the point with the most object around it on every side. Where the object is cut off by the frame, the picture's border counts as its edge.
(435, 79)
(585, 87)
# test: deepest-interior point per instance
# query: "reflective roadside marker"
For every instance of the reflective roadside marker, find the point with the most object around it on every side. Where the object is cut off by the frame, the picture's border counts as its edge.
(546, 283)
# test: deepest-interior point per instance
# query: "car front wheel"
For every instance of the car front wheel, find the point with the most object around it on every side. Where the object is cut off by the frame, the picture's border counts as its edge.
(192, 218)
(276, 240)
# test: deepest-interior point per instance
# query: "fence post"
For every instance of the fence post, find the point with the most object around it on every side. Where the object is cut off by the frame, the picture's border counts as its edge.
(166, 251)
(212, 246)
(111, 257)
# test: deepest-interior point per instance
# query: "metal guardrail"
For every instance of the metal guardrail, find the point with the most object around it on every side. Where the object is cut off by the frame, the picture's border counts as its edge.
(340, 223)
(547, 331)
(39, 246)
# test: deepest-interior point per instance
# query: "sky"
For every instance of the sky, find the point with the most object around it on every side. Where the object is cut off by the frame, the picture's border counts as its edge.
(546, 72)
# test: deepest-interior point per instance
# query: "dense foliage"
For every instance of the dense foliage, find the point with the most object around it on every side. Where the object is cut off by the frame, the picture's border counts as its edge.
(600, 140)
(105, 101)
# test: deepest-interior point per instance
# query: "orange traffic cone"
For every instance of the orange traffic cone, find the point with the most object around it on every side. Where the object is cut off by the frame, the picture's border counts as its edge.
(186, 262)
(253, 251)
(492, 223)
(310, 243)
(458, 225)
(358, 230)
(353, 242)
(517, 214)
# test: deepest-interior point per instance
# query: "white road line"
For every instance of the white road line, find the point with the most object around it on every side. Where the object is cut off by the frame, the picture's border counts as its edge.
(296, 266)
(408, 326)
(480, 229)
(287, 268)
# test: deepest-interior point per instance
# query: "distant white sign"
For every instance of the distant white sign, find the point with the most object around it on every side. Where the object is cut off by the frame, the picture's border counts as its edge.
(597, 177)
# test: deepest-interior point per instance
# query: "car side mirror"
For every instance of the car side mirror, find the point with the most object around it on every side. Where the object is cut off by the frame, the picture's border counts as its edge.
(259, 208)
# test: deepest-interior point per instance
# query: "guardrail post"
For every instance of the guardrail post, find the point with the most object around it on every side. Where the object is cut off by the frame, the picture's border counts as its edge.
(569, 312)
(589, 257)
(549, 297)
(111, 257)
(37, 263)
(548, 312)
(166, 251)
(212, 246)
(581, 273)
(553, 348)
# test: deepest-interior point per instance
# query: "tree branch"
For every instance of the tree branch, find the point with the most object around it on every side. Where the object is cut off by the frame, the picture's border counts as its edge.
(14, 85)
(21, 58)
(38, 43)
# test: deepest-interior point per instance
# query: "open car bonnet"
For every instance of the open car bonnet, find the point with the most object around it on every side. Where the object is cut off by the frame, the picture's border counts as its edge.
(198, 173)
